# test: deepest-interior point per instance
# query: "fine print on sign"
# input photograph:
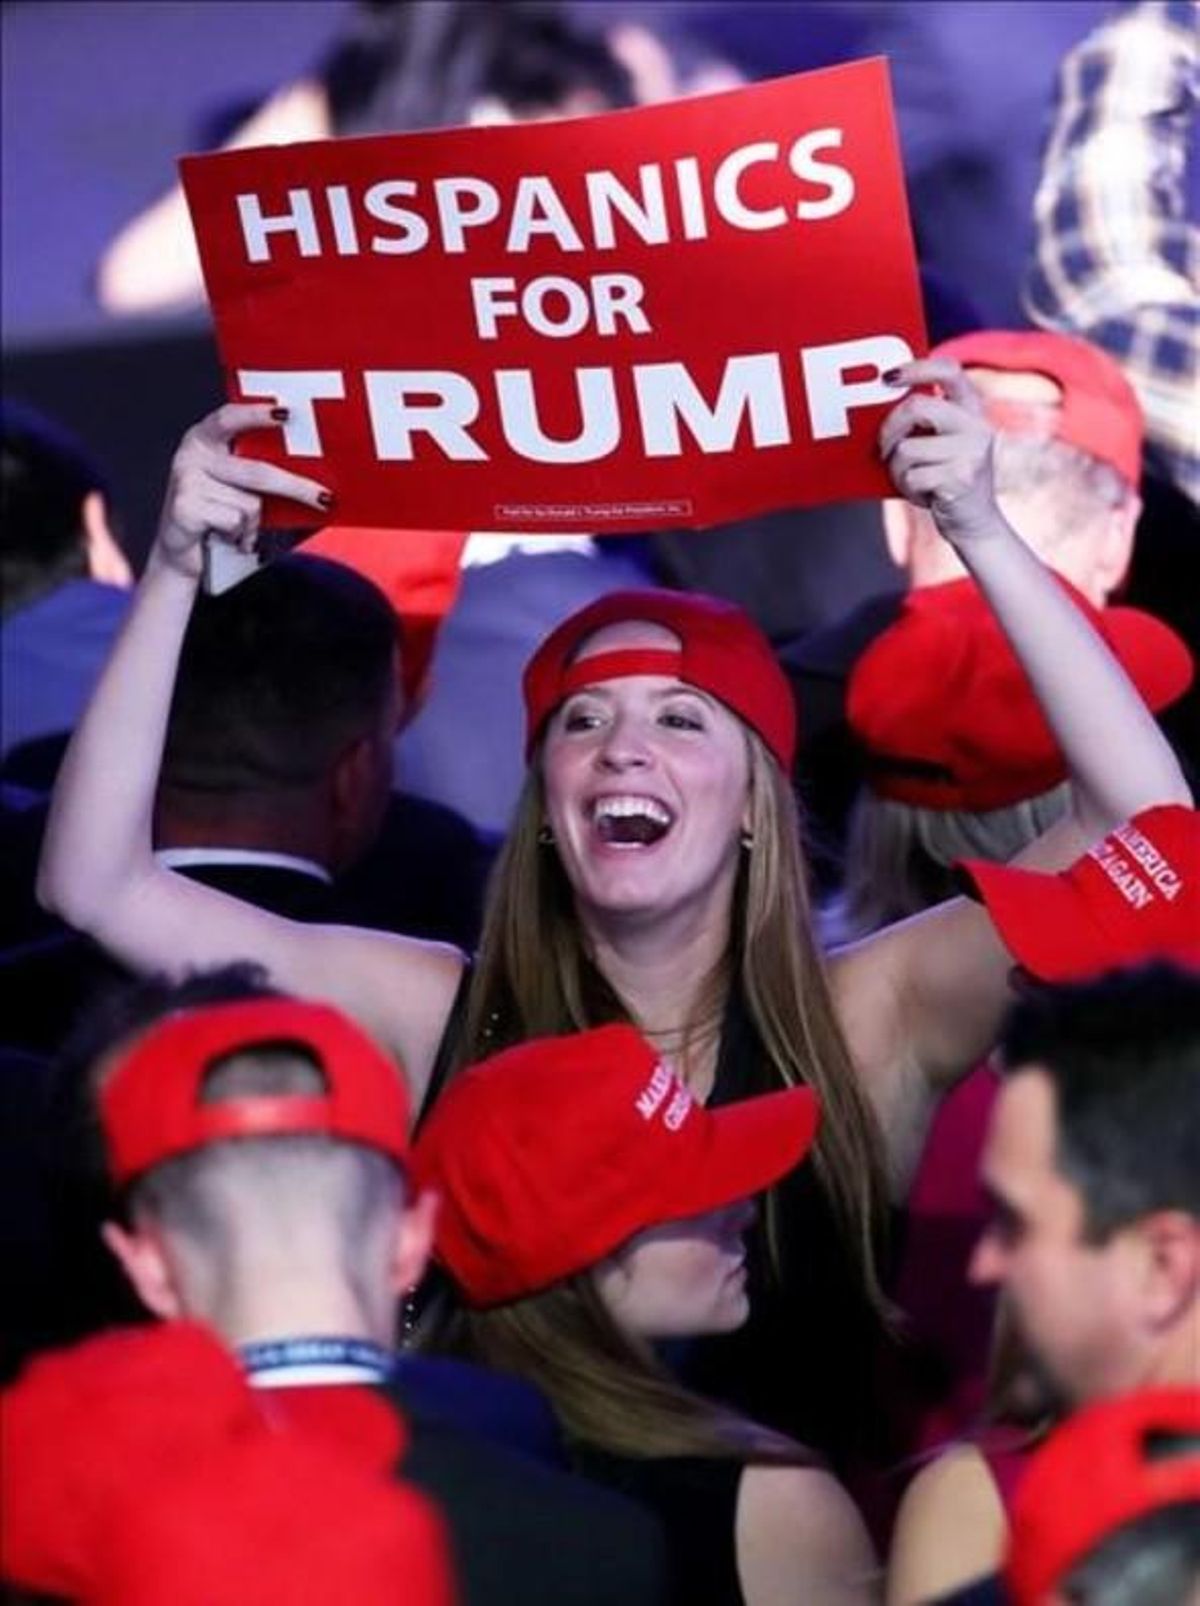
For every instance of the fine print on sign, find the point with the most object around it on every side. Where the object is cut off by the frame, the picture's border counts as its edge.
(676, 315)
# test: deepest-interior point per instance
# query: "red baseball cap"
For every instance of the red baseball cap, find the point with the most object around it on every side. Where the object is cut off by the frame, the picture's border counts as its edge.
(151, 1108)
(1098, 412)
(1094, 1475)
(721, 651)
(1135, 895)
(550, 1155)
(947, 716)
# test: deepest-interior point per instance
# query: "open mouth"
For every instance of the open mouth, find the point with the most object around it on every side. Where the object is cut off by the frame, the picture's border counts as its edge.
(631, 822)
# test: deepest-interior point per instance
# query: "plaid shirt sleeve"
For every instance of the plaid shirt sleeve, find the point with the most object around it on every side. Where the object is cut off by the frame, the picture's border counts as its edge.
(1116, 255)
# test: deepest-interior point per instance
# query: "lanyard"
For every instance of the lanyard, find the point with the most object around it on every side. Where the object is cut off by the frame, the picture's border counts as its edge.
(296, 1362)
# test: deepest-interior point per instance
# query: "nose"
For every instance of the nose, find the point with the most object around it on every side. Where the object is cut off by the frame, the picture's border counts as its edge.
(736, 1220)
(624, 746)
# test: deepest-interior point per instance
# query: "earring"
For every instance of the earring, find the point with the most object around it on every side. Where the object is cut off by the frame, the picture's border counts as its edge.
(545, 837)
(746, 841)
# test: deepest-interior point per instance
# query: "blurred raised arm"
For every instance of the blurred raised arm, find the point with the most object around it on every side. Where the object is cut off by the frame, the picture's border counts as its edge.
(921, 1001)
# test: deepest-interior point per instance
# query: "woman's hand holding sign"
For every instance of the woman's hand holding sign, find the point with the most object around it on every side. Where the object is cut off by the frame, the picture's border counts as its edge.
(938, 450)
(210, 491)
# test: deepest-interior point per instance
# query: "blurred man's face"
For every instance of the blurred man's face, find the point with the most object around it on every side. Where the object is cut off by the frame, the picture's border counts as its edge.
(1074, 1302)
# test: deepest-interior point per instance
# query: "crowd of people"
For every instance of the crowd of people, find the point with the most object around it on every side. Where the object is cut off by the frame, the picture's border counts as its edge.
(765, 1174)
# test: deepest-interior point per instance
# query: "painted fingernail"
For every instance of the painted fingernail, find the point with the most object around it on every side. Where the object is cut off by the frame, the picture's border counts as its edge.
(281, 414)
(891, 376)
(325, 499)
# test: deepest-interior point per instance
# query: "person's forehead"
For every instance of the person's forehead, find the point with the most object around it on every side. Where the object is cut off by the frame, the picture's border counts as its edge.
(627, 634)
(1020, 385)
(647, 690)
(1023, 1132)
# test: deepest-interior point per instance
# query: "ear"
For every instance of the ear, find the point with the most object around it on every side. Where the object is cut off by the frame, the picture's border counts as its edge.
(414, 1241)
(899, 530)
(350, 777)
(1171, 1240)
(105, 560)
(1115, 549)
(142, 1259)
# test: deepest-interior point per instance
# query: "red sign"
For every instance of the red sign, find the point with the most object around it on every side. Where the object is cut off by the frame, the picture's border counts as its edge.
(675, 315)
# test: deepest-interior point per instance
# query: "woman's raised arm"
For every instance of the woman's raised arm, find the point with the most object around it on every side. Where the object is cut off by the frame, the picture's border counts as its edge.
(98, 869)
(921, 1001)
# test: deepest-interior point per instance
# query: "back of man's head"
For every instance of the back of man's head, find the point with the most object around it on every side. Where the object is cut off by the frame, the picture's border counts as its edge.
(46, 476)
(278, 676)
(247, 1229)
(274, 1207)
(285, 706)
(1122, 1054)
(1067, 458)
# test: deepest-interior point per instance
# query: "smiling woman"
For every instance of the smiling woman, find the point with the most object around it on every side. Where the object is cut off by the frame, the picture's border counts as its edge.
(665, 707)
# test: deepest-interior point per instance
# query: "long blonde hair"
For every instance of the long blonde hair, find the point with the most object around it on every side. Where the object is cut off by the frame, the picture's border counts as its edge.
(608, 1391)
(534, 978)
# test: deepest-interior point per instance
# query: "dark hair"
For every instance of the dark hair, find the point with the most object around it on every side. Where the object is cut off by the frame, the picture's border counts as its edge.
(86, 1291)
(422, 63)
(45, 474)
(277, 677)
(1152, 1561)
(119, 1013)
(1123, 1055)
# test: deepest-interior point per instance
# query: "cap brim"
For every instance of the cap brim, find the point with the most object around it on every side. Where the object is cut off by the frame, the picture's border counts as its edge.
(750, 1146)
(1043, 921)
(1153, 656)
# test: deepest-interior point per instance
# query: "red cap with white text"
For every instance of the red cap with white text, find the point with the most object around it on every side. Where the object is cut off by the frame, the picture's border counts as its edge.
(1134, 896)
(548, 1156)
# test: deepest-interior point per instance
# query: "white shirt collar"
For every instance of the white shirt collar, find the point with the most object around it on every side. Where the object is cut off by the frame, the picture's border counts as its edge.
(187, 858)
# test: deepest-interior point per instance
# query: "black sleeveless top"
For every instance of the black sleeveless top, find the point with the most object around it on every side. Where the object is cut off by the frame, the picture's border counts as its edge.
(695, 1499)
(804, 1361)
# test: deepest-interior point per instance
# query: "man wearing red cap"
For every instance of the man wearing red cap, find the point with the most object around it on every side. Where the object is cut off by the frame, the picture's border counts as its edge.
(1068, 459)
(1068, 444)
(259, 1147)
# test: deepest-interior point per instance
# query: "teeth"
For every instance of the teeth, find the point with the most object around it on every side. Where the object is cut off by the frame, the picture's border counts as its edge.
(623, 808)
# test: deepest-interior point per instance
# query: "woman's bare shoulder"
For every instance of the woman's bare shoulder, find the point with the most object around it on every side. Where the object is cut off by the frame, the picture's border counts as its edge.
(800, 1537)
(398, 988)
(950, 1528)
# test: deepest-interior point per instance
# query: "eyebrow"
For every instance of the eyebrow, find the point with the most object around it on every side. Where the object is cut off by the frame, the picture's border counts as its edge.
(600, 688)
(1000, 1203)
